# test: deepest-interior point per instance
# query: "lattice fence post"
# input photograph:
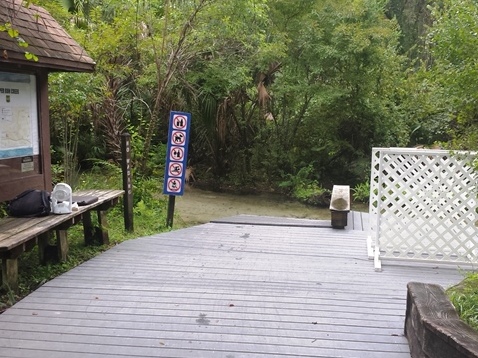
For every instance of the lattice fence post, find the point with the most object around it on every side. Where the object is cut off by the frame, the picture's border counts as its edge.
(423, 206)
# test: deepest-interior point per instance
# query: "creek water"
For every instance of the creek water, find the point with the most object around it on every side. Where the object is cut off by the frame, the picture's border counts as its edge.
(198, 206)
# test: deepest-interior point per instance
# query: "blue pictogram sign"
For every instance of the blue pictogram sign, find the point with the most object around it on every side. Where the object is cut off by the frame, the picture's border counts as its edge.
(180, 121)
(174, 185)
(178, 138)
(175, 169)
(177, 152)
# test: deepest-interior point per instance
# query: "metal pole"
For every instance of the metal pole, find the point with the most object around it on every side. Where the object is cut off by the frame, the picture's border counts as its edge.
(171, 202)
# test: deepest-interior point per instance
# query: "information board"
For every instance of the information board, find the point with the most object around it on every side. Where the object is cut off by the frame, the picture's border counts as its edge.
(18, 115)
(177, 153)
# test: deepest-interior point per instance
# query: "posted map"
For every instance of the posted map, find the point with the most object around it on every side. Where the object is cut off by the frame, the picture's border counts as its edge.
(18, 116)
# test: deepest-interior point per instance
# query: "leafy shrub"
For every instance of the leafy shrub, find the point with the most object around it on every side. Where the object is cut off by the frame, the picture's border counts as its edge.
(305, 189)
(312, 194)
(464, 297)
(361, 192)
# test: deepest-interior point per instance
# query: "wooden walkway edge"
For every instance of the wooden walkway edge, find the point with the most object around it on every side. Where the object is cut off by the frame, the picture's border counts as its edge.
(228, 289)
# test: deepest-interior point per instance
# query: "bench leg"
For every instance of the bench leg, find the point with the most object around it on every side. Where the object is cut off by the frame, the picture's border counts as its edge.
(62, 244)
(10, 274)
(103, 227)
(96, 234)
(88, 229)
(43, 243)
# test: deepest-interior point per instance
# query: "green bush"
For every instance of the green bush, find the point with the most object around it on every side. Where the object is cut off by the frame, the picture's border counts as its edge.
(361, 192)
(464, 297)
(305, 189)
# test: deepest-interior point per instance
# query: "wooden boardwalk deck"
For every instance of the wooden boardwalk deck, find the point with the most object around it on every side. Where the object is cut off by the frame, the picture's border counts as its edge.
(238, 287)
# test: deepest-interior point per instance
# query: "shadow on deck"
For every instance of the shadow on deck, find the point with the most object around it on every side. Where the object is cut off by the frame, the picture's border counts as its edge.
(244, 286)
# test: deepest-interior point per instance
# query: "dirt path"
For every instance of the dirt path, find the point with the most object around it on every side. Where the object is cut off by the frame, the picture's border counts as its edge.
(197, 206)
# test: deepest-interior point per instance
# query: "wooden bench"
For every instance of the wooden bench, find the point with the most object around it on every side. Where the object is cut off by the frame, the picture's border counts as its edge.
(18, 235)
(340, 206)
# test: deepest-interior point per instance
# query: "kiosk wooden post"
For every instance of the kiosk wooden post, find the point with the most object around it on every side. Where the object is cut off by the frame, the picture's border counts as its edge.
(127, 182)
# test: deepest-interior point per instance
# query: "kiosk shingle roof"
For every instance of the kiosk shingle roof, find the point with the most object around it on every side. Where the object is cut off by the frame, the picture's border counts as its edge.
(55, 49)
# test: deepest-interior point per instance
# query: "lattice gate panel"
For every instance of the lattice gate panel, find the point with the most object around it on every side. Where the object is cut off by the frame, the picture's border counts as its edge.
(423, 206)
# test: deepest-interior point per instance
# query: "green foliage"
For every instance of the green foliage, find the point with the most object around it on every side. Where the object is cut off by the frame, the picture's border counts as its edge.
(450, 82)
(312, 194)
(238, 46)
(323, 74)
(29, 55)
(149, 206)
(273, 86)
(305, 189)
(464, 297)
(414, 19)
(335, 95)
(74, 134)
(8, 299)
(361, 192)
(3, 210)
(102, 175)
(14, 33)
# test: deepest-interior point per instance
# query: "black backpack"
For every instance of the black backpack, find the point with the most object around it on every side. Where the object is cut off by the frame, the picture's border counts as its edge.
(30, 203)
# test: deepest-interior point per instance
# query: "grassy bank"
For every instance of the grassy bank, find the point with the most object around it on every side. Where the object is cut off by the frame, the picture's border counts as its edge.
(464, 297)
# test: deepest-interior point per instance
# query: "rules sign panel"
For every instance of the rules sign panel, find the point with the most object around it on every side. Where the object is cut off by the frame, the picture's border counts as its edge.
(177, 153)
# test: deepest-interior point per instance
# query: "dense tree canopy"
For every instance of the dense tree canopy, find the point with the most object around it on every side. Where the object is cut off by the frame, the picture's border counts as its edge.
(277, 88)
(453, 43)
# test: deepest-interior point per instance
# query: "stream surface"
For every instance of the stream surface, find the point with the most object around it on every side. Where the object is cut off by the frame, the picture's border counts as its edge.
(198, 206)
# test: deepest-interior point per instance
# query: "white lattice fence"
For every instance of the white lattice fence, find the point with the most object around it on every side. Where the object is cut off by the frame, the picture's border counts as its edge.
(423, 206)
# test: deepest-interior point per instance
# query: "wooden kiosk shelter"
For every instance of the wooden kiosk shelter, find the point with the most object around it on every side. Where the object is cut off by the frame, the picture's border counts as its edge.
(25, 160)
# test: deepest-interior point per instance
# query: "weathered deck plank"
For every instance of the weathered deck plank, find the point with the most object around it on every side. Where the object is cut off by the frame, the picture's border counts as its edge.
(272, 221)
(222, 290)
